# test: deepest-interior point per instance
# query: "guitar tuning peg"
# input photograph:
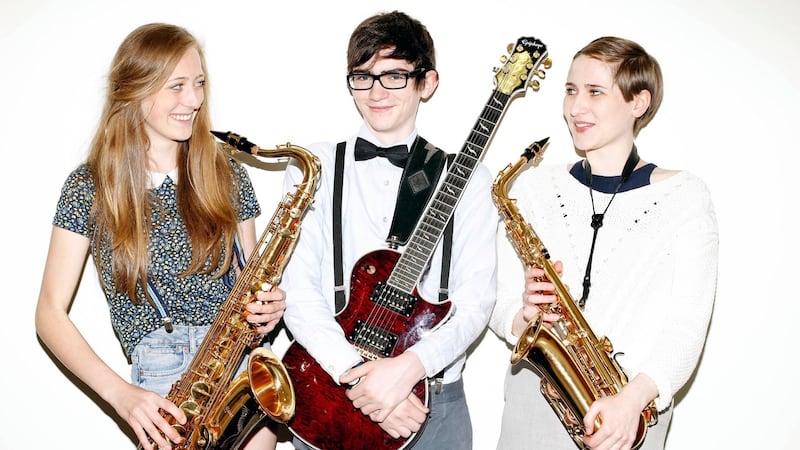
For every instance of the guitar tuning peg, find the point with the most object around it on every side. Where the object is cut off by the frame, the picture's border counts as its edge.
(534, 84)
(504, 59)
(510, 48)
(547, 63)
(539, 73)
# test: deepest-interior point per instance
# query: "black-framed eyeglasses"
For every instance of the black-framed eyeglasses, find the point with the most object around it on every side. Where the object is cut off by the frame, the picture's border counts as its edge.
(362, 81)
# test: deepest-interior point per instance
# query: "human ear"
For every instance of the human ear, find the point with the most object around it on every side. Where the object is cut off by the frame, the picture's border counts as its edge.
(430, 82)
(641, 102)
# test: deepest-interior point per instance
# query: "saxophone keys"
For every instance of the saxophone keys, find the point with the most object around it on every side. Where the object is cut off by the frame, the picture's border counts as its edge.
(604, 344)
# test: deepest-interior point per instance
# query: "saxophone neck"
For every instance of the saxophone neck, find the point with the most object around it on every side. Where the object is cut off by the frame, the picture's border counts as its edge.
(506, 176)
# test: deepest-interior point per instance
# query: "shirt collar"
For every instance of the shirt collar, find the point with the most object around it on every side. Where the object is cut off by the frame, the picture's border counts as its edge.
(157, 178)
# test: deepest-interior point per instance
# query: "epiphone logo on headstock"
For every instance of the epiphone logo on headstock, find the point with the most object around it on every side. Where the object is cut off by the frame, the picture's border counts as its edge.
(536, 44)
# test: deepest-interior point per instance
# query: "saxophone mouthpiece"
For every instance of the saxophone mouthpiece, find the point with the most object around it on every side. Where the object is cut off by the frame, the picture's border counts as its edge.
(536, 149)
(234, 140)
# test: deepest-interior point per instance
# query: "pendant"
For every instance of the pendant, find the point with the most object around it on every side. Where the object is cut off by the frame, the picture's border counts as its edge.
(597, 221)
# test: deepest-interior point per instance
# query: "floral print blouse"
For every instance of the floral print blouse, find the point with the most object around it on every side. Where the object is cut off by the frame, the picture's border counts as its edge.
(189, 300)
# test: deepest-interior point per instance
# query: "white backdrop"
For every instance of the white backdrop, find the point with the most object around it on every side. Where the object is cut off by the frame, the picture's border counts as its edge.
(277, 75)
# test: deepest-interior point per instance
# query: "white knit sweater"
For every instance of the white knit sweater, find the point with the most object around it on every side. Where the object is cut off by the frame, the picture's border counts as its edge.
(653, 274)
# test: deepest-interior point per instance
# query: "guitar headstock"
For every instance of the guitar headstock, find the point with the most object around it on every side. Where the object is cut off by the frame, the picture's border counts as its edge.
(522, 66)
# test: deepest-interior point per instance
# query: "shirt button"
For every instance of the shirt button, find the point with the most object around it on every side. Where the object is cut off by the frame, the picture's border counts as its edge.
(386, 183)
(385, 219)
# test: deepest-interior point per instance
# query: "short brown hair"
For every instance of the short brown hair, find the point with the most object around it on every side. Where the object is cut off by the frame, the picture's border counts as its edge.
(636, 70)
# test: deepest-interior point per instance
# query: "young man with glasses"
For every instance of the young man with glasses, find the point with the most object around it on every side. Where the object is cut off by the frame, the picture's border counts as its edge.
(391, 69)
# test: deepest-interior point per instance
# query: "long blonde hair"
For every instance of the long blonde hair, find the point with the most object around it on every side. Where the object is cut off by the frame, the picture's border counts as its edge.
(206, 187)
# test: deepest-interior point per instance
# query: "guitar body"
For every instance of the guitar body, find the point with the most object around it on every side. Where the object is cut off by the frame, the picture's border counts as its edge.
(324, 417)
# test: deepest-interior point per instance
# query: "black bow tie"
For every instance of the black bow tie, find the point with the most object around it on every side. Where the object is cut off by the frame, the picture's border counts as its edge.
(397, 155)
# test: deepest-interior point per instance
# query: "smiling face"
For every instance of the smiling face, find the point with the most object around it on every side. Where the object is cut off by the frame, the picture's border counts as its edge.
(169, 112)
(390, 114)
(597, 114)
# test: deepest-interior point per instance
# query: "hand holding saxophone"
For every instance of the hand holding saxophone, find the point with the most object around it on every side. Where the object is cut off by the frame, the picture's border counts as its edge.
(537, 299)
(141, 409)
(265, 313)
(619, 415)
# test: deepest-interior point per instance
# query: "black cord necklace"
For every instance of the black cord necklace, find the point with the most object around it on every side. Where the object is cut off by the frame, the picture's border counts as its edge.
(597, 219)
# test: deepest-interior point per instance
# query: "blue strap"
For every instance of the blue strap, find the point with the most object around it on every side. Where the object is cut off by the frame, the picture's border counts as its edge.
(166, 320)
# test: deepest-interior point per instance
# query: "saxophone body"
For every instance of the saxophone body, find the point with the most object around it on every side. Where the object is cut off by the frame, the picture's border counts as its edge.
(206, 393)
(576, 367)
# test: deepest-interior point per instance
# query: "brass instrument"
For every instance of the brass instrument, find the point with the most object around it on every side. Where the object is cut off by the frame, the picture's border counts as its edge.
(575, 366)
(205, 392)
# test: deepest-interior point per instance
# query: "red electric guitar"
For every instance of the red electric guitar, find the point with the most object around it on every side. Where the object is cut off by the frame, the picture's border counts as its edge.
(385, 315)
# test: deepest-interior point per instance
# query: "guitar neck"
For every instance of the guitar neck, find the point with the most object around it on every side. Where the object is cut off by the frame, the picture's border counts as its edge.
(440, 208)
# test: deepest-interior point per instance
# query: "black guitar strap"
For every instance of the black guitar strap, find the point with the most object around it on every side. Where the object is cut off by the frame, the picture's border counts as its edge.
(416, 187)
(425, 163)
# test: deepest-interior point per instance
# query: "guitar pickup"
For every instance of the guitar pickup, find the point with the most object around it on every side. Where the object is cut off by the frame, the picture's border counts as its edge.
(393, 299)
(373, 339)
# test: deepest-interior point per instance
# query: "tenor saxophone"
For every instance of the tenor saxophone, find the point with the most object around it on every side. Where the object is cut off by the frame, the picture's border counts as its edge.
(576, 368)
(206, 393)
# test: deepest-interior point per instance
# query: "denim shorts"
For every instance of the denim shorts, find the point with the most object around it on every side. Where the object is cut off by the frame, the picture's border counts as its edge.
(160, 358)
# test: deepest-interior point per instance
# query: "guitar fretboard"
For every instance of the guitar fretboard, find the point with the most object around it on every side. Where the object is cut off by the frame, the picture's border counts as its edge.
(439, 211)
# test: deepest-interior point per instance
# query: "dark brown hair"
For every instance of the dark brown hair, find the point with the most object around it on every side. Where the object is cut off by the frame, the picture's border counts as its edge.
(407, 37)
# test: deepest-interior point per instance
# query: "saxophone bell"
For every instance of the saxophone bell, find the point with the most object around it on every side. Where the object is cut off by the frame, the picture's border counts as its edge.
(271, 385)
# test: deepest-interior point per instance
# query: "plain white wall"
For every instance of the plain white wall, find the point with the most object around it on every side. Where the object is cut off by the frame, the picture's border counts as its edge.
(277, 75)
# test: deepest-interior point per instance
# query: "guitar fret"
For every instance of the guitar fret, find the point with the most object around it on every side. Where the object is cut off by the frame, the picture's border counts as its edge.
(477, 134)
(442, 202)
(464, 170)
(412, 267)
(469, 160)
(432, 232)
(404, 278)
(417, 261)
(494, 115)
(406, 285)
(458, 182)
(419, 247)
(449, 199)
(436, 223)
(471, 152)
